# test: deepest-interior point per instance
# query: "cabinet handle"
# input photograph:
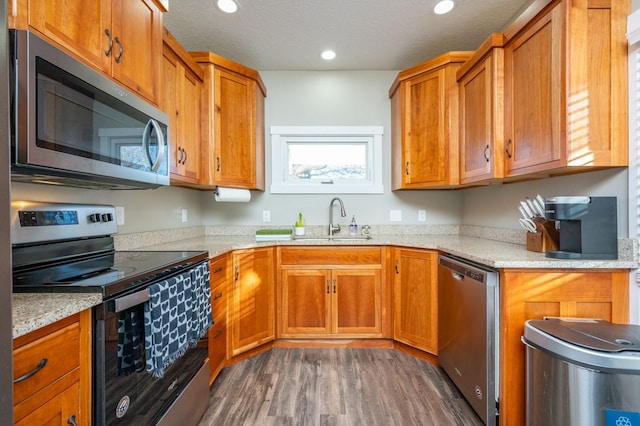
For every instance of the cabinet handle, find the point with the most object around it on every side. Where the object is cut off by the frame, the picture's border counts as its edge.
(72, 420)
(217, 296)
(508, 148)
(334, 286)
(215, 271)
(121, 50)
(218, 333)
(33, 372)
(328, 286)
(486, 153)
(237, 268)
(397, 263)
(406, 168)
(218, 162)
(184, 151)
(108, 51)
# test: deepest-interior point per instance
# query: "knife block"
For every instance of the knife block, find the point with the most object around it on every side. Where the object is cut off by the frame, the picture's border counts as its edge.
(545, 238)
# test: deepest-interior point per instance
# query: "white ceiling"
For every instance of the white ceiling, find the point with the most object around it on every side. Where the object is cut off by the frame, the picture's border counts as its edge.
(288, 35)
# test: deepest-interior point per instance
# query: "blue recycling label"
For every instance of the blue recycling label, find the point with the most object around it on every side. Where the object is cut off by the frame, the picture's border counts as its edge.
(622, 418)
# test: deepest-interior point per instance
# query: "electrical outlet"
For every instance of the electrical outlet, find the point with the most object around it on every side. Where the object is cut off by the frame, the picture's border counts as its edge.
(185, 217)
(422, 215)
(120, 216)
(395, 215)
(266, 216)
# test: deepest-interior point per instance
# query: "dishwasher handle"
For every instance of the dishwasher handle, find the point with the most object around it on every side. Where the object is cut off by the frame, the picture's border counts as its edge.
(457, 276)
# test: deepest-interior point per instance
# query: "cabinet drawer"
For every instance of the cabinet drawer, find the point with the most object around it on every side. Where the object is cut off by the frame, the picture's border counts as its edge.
(60, 349)
(219, 300)
(218, 270)
(331, 256)
(218, 342)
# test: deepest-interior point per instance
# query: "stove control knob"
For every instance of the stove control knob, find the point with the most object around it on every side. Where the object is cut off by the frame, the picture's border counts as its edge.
(107, 217)
(95, 217)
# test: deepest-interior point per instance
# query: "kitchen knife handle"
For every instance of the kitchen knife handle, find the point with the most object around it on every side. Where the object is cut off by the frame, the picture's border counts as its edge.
(486, 153)
(108, 51)
(508, 148)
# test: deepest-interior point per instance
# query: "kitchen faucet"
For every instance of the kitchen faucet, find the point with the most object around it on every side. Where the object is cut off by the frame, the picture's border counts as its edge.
(335, 228)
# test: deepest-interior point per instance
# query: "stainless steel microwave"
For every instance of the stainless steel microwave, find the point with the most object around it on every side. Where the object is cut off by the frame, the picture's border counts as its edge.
(72, 126)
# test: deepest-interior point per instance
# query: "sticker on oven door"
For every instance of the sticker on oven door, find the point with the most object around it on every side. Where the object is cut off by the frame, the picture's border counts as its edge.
(122, 407)
(622, 418)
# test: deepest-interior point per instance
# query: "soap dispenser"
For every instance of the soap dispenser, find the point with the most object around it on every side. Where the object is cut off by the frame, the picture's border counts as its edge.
(353, 227)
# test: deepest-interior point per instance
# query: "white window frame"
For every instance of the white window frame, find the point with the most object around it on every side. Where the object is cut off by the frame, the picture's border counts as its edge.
(281, 135)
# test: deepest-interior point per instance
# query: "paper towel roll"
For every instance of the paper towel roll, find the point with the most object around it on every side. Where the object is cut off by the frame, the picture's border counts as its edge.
(232, 195)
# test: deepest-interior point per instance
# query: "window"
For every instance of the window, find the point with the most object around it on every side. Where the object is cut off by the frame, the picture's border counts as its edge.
(326, 159)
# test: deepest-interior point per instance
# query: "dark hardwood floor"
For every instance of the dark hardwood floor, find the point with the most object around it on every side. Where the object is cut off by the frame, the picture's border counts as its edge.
(286, 386)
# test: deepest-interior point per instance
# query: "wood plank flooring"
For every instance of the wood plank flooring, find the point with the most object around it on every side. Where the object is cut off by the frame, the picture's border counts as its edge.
(335, 386)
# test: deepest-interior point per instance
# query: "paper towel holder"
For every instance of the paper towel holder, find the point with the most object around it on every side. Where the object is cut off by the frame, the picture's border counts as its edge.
(232, 195)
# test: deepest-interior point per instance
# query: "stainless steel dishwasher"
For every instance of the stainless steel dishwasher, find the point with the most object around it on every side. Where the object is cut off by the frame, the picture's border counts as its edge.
(468, 332)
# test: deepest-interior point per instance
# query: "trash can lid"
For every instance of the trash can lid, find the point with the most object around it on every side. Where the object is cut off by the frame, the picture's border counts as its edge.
(587, 341)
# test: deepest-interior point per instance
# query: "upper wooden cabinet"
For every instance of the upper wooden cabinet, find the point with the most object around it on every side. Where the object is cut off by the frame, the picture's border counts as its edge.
(121, 38)
(181, 99)
(424, 124)
(481, 86)
(233, 111)
(565, 97)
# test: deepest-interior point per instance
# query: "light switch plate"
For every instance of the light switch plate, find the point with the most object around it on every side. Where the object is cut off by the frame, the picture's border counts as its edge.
(395, 215)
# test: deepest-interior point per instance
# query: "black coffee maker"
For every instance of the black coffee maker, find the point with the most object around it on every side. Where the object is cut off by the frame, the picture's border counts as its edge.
(588, 227)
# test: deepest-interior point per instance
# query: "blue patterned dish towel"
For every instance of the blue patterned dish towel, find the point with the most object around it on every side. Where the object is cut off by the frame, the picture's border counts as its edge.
(176, 316)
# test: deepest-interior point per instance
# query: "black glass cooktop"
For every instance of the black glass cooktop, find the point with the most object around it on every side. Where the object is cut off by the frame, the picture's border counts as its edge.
(107, 273)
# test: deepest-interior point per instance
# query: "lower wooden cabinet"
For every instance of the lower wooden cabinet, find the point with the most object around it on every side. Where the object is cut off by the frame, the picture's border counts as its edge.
(52, 373)
(534, 294)
(322, 302)
(415, 290)
(217, 338)
(336, 291)
(251, 304)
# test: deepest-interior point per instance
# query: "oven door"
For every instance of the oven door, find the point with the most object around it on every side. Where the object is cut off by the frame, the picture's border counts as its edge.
(124, 392)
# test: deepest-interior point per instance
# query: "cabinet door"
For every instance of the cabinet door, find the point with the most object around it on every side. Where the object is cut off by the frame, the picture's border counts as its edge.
(306, 302)
(62, 409)
(481, 120)
(416, 303)
(356, 300)
(526, 295)
(424, 138)
(235, 132)
(138, 26)
(181, 101)
(251, 310)
(534, 96)
(77, 25)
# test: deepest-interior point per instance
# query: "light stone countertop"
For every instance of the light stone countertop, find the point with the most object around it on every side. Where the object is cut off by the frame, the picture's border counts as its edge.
(35, 310)
(495, 254)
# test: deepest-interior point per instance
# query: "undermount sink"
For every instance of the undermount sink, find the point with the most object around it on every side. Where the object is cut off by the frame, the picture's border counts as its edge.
(333, 238)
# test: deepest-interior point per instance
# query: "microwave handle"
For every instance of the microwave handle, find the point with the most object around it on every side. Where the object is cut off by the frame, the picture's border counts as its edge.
(161, 144)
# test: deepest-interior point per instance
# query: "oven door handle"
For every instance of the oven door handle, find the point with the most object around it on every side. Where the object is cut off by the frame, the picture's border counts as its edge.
(130, 300)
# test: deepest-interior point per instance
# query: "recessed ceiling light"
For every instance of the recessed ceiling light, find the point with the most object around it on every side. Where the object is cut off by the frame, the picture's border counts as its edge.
(328, 55)
(443, 6)
(228, 6)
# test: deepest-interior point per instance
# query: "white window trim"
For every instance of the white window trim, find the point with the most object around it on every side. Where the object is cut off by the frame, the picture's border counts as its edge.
(279, 135)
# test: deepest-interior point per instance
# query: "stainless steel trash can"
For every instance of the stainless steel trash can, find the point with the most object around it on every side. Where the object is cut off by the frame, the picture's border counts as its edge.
(582, 372)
